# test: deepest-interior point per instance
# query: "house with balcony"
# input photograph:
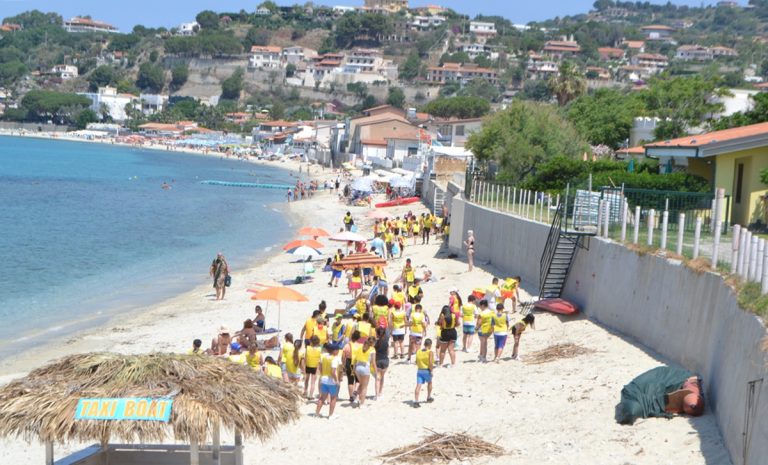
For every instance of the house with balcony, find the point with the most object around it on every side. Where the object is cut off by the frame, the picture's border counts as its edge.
(540, 67)
(482, 30)
(476, 50)
(425, 23)
(564, 48)
(462, 73)
(108, 100)
(693, 53)
(78, 24)
(297, 54)
(188, 29)
(152, 103)
(265, 57)
(453, 132)
(720, 51)
(652, 61)
(610, 53)
(64, 72)
(658, 32)
(362, 61)
(633, 46)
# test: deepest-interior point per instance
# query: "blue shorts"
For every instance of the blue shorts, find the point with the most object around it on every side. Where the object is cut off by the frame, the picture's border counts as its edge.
(336, 274)
(367, 271)
(330, 389)
(423, 377)
(499, 340)
(469, 329)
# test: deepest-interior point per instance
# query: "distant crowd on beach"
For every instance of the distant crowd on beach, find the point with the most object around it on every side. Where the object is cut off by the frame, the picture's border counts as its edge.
(385, 320)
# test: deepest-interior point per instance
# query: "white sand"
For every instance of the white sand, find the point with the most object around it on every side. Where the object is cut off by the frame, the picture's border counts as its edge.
(561, 412)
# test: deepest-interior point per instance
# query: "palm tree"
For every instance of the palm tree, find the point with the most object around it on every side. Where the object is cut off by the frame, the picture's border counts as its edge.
(567, 84)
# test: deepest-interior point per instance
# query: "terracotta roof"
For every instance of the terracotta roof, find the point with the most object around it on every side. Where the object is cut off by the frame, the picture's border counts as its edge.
(378, 142)
(726, 135)
(651, 56)
(279, 123)
(561, 48)
(610, 51)
(160, 127)
(267, 49)
(762, 85)
(634, 43)
(657, 27)
(639, 150)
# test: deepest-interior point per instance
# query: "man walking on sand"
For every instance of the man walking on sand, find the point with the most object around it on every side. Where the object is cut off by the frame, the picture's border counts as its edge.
(219, 272)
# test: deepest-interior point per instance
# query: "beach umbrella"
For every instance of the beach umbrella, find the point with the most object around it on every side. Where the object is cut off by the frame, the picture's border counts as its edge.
(85, 398)
(347, 236)
(378, 214)
(279, 294)
(303, 243)
(362, 185)
(304, 251)
(314, 232)
(360, 260)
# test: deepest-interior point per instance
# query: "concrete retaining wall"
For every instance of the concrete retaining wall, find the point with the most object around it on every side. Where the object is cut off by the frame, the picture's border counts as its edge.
(691, 318)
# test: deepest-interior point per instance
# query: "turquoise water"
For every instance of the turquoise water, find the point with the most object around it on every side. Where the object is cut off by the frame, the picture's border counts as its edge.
(87, 231)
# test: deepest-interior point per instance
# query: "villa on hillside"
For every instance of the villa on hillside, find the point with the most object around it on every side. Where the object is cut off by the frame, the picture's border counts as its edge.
(78, 24)
(657, 32)
(265, 57)
(731, 159)
(564, 48)
(482, 30)
(462, 73)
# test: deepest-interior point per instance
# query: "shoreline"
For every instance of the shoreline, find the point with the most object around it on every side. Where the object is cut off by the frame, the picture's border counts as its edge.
(121, 313)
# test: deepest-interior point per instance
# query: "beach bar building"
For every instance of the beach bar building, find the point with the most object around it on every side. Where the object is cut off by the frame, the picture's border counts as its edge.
(731, 159)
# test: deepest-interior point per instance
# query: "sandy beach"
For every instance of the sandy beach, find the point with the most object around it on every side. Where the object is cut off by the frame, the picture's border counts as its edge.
(560, 412)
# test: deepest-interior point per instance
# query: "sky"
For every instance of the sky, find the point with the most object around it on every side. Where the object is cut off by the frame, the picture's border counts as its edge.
(170, 13)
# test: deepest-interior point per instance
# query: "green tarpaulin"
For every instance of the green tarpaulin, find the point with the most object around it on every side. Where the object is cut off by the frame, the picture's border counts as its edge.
(644, 396)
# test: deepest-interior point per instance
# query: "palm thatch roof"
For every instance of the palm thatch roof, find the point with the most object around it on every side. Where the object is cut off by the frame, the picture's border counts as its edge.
(206, 390)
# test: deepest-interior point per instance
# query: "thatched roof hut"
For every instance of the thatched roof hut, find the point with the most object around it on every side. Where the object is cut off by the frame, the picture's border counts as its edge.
(207, 393)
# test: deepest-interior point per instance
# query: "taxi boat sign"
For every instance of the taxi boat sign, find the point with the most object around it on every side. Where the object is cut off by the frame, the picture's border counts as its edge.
(137, 409)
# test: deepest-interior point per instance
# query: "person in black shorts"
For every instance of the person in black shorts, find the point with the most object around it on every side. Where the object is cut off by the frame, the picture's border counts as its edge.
(382, 358)
(448, 335)
(348, 369)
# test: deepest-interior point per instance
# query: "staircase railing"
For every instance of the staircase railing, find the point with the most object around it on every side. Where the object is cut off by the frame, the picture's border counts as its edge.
(551, 246)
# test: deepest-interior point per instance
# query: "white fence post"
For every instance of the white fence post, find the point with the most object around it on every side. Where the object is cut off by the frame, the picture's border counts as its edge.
(735, 238)
(636, 236)
(680, 233)
(664, 225)
(514, 199)
(747, 255)
(509, 192)
(742, 252)
(719, 196)
(600, 209)
(606, 218)
(549, 207)
(651, 218)
(696, 238)
(753, 259)
(498, 195)
(760, 255)
(764, 287)
(624, 212)
(713, 214)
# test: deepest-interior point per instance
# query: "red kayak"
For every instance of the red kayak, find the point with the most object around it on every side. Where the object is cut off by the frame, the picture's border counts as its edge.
(559, 306)
(397, 202)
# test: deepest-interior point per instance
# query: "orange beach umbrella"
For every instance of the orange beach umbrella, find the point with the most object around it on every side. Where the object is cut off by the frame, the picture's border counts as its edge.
(279, 294)
(314, 232)
(305, 242)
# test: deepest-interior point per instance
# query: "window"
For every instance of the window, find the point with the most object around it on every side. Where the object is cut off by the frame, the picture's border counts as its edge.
(460, 130)
(739, 182)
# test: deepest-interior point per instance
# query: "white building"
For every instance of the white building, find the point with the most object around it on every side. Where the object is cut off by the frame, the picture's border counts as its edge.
(65, 71)
(297, 54)
(362, 61)
(265, 57)
(482, 30)
(476, 50)
(693, 53)
(153, 103)
(188, 29)
(110, 101)
(423, 23)
(78, 24)
(262, 12)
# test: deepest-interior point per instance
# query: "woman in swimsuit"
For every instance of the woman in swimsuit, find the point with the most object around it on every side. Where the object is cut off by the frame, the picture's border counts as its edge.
(470, 245)
(382, 359)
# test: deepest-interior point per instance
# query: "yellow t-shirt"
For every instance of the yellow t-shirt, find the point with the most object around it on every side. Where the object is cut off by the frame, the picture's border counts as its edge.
(422, 359)
(500, 323)
(293, 368)
(274, 371)
(428, 221)
(253, 361)
(389, 237)
(468, 314)
(365, 328)
(410, 276)
(380, 311)
(417, 323)
(398, 319)
(413, 291)
(486, 323)
(362, 356)
(313, 356)
(398, 297)
(322, 334)
(416, 228)
(326, 365)
(309, 328)
(287, 351)
(237, 358)
(360, 305)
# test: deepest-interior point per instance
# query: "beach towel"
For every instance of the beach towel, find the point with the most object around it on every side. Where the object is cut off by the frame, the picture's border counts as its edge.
(644, 396)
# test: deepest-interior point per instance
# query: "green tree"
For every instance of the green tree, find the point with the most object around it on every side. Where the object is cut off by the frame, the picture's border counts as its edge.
(605, 117)
(153, 56)
(257, 36)
(458, 57)
(269, 5)
(567, 84)
(278, 110)
(61, 107)
(524, 136)
(12, 71)
(369, 102)
(86, 117)
(396, 97)
(233, 85)
(458, 107)
(102, 76)
(179, 75)
(125, 86)
(537, 90)
(480, 88)
(151, 77)
(207, 19)
(290, 70)
(758, 114)
(410, 69)
(360, 89)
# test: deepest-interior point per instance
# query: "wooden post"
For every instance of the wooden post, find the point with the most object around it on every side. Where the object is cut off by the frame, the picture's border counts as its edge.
(764, 286)
(664, 225)
(216, 437)
(238, 448)
(651, 218)
(697, 238)
(194, 452)
(680, 233)
(752, 276)
(49, 453)
(636, 234)
(760, 255)
(624, 214)
(735, 237)
(719, 196)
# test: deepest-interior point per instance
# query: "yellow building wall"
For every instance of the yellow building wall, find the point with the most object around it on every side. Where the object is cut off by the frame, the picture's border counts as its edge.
(755, 160)
(703, 167)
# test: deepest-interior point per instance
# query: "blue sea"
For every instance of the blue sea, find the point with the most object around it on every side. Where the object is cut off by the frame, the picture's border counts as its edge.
(87, 231)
